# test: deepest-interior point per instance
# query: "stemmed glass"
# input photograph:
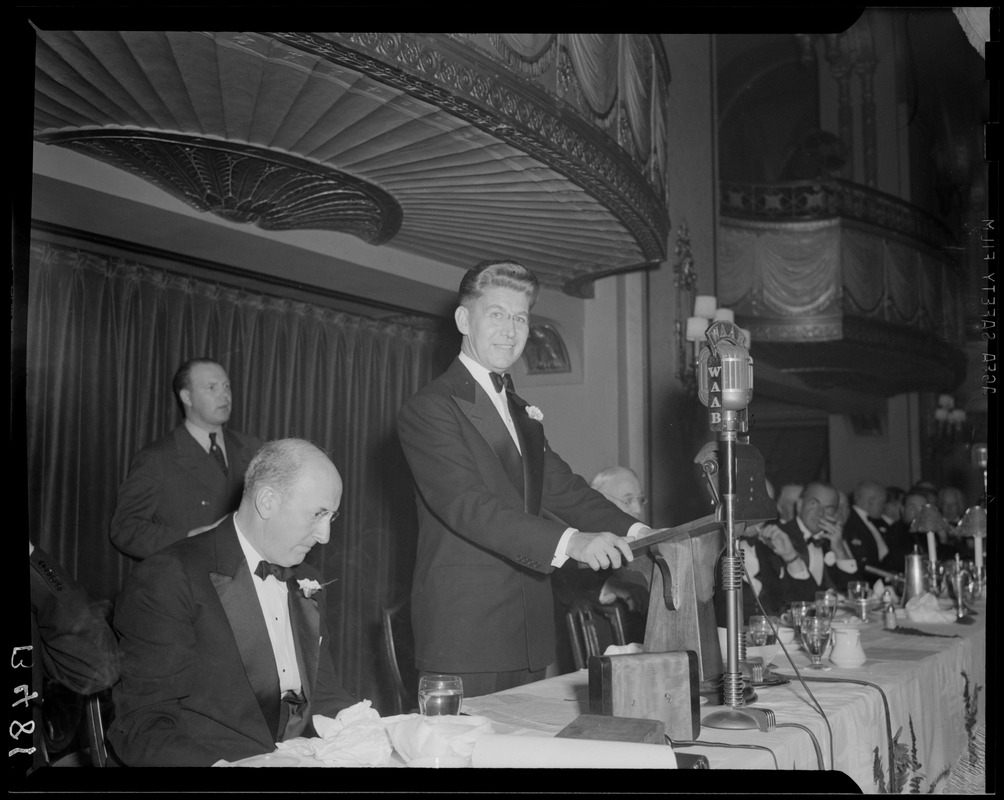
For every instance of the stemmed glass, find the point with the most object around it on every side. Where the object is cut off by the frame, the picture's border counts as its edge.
(859, 592)
(815, 637)
(799, 610)
(760, 631)
(826, 603)
(440, 694)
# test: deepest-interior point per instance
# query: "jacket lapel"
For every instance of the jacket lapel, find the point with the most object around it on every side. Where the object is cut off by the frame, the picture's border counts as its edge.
(235, 589)
(482, 414)
(531, 443)
(305, 617)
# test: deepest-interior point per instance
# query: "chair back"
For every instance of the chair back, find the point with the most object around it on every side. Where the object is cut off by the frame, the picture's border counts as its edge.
(399, 647)
(583, 630)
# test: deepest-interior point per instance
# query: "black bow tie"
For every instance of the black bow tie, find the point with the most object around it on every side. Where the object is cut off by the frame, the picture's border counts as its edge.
(281, 574)
(500, 381)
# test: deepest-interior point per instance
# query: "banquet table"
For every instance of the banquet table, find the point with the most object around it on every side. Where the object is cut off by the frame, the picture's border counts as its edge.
(931, 677)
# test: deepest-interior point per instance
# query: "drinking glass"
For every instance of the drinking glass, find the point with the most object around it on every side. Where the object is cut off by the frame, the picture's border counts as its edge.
(440, 694)
(859, 592)
(826, 603)
(760, 632)
(815, 638)
(799, 610)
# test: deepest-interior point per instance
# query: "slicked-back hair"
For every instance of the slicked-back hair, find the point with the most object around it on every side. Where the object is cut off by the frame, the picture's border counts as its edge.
(278, 463)
(500, 274)
(183, 377)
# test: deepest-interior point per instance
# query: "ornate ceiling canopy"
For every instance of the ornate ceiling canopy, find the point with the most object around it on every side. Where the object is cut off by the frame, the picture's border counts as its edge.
(455, 148)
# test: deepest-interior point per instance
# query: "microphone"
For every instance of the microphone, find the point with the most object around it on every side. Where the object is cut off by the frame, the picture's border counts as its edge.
(725, 377)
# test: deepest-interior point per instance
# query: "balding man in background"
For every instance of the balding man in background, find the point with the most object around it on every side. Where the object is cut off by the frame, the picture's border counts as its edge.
(861, 531)
(630, 582)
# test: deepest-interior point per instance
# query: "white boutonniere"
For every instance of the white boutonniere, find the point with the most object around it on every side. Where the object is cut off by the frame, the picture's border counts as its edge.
(535, 413)
(829, 559)
(310, 587)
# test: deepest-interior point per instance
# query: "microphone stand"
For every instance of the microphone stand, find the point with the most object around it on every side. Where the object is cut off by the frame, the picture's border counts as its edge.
(726, 386)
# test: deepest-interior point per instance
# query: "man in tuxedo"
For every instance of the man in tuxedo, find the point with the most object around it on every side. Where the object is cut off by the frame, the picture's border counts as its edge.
(186, 482)
(223, 636)
(813, 549)
(498, 510)
(862, 532)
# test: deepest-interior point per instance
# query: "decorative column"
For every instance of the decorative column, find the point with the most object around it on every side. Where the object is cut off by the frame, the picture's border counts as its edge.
(840, 68)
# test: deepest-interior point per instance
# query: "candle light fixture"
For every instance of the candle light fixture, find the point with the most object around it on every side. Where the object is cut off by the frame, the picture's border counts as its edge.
(695, 313)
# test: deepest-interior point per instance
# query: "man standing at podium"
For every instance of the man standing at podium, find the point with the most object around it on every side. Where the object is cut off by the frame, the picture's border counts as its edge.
(498, 510)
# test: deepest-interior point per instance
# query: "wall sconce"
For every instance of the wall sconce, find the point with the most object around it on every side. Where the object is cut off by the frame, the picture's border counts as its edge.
(694, 313)
(948, 419)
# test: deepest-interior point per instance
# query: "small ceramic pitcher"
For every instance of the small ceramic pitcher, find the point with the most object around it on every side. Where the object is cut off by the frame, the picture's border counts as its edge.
(847, 650)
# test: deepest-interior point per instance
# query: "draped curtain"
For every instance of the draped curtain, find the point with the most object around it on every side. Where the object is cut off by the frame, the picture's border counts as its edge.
(105, 336)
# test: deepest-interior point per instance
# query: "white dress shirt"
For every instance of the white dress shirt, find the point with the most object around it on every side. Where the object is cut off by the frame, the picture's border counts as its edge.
(501, 402)
(817, 561)
(273, 597)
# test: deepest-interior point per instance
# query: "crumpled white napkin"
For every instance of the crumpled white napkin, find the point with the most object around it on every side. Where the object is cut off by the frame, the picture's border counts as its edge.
(925, 608)
(356, 737)
(623, 649)
(416, 736)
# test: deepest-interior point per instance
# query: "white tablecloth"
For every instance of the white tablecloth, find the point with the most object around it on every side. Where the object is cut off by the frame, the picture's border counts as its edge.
(934, 686)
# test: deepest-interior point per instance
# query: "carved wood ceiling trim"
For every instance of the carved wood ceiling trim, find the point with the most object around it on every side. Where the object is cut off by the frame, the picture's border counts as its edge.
(245, 184)
(461, 81)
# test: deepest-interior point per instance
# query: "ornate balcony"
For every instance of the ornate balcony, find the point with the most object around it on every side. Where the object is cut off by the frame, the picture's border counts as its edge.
(549, 148)
(842, 286)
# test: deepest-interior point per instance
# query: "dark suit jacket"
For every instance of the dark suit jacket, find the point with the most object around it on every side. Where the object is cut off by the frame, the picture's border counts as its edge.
(833, 576)
(199, 679)
(901, 543)
(72, 643)
(861, 542)
(481, 598)
(174, 486)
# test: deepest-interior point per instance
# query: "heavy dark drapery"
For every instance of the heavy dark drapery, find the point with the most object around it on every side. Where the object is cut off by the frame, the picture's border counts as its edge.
(105, 336)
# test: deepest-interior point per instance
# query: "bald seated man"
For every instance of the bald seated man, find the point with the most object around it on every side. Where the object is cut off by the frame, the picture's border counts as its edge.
(224, 638)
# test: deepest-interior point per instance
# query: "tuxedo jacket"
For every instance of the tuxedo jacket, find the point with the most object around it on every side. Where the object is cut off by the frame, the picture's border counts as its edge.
(174, 486)
(861, 542)
(833, 576)
(199, 677)
(489, 523)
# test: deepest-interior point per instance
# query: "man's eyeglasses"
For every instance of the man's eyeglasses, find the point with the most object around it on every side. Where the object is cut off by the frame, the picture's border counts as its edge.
(640, 499)
(320, 515)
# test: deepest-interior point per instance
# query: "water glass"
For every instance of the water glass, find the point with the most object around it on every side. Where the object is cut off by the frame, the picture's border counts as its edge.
(440, 694)
(826, 603)
(799, 610)
(761, 632)
(815, 638)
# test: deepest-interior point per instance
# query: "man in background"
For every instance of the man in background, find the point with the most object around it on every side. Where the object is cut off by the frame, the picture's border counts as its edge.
(225, 646)
(630, 583)
(186, 482)
(498, 510)
(812, 548)
(861, 531)
(787, 497)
